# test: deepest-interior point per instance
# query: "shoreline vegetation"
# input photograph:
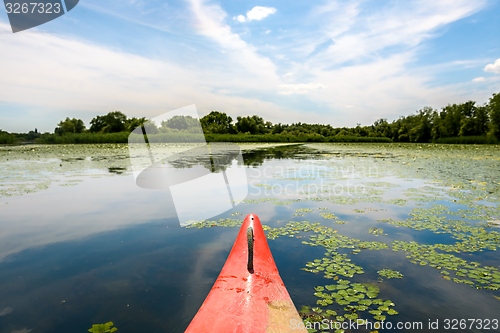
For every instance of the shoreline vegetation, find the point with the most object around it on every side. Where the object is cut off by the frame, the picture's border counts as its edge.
(465, 123)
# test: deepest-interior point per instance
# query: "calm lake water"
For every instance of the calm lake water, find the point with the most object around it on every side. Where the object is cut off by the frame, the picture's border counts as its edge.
(80, 243)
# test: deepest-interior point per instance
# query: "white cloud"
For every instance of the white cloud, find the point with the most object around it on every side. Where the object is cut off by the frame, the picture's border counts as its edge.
(209, 21)
(240, 18)
(479, 79)
(68, 77)
(65, 70)
(300, 88)
(257, 13)
(360, 35)
(494, 67)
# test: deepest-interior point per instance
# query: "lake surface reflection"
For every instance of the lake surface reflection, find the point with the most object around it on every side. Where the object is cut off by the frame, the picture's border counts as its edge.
(81, 243)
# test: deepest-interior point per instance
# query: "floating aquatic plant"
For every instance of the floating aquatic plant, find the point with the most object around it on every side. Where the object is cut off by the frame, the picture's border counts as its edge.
(390, 274)
(355, 298)
(376, 231)
(304, 210)
(103, 328)
(329, 216)
(223, 222)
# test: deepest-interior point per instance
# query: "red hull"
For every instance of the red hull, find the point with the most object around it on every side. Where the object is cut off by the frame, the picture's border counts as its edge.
(242, 301)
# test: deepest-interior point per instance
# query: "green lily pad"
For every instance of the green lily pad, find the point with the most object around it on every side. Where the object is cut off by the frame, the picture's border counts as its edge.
(392, 312)
(390, 274)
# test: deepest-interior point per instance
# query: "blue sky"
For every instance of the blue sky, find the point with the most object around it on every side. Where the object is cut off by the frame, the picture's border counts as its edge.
(335, 62)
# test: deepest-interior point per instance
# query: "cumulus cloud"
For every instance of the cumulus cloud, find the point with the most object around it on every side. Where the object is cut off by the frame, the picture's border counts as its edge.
(479, 79)
(240, 18)
(257, 13)
(300, 88)
(68, 72)
(494, 67)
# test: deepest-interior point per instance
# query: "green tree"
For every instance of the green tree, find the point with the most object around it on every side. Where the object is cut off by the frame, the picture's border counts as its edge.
(279, 128)
(32, 135)
(421, 125)
(494, 113)
(7, 138)
(451, 117)
(97, 124)
(253, 125)
(181, 123)
(70, 126)
(150, 127)
(132, 123)
(482, 120)
(113, 122)
(217, 122)
(467, 119)
(381, 128)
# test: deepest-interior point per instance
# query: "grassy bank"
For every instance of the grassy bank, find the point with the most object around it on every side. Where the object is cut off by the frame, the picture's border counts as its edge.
(123, 137)
(80, 138)
(289, 138)
(468, 140)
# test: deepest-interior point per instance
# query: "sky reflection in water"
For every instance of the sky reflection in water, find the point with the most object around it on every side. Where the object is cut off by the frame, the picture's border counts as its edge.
(107, 250)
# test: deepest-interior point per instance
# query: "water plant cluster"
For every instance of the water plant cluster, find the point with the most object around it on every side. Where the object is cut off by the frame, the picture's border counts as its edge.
(34, 168)
(376, 231)
(357, 298)
(103, 328)
(451, 266)
(390, 273)
(223, 222)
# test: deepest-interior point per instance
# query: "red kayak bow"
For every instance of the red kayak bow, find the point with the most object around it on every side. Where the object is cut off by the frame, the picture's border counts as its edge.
(248, 295)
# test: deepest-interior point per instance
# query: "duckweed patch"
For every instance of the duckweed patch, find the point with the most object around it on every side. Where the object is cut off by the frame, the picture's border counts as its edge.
(376, 231)
(328, 216)
(390, 274)
(223, 222)
(348, 301)
(33, 168)
(451, 267)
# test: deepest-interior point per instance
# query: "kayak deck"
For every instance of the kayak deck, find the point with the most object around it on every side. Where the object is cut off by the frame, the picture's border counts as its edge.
(246, 297)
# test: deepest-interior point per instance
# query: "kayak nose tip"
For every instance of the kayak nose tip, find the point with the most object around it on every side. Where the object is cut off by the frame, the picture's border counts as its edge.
(252, 217)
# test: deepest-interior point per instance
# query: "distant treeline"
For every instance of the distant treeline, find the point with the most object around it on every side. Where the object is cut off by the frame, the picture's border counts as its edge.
(455, 123)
